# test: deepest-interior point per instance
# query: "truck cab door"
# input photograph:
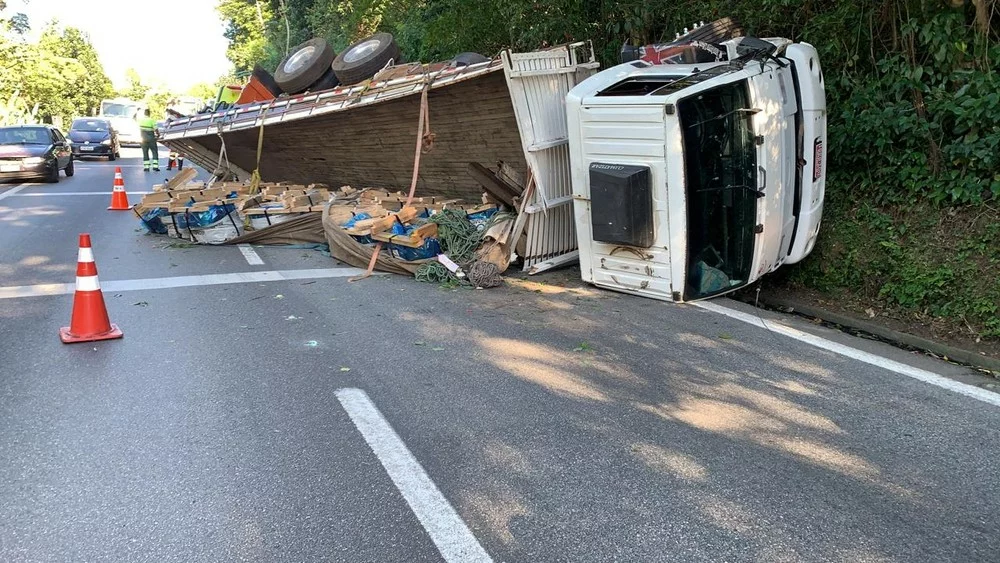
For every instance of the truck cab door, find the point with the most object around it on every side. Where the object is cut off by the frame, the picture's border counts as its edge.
(773, 95)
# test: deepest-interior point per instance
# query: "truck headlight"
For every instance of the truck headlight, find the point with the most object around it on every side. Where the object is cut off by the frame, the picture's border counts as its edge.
(33, 160)
(106, 142)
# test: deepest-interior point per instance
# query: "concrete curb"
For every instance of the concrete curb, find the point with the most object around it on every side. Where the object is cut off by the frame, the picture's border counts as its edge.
(956, 354)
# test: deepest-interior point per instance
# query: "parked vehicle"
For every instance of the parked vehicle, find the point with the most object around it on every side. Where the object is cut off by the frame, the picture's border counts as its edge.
(34, 151)
(94, 136)
(694, 180)
(124, 115)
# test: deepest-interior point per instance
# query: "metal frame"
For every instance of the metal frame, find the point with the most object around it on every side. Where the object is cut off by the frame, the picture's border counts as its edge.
(539, 82)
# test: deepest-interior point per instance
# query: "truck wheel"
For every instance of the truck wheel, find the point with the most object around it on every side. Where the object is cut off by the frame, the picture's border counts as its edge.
(69, 168)
(326, 82)
(267, 79)
(305, 65)
(466, 59)
(363, 59)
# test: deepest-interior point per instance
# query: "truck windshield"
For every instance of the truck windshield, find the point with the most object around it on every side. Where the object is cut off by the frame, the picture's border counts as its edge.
(720, 167)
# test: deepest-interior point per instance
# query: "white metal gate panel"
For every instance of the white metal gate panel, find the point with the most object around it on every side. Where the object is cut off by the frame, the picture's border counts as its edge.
(538, 84)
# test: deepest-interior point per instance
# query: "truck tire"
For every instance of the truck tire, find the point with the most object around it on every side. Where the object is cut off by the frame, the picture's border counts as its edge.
(267, 79)
(326, 82)
(362, 60)
(304, 66)
(466, 59)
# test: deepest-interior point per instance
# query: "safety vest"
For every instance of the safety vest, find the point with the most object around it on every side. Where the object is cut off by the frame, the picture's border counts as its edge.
(147, 124)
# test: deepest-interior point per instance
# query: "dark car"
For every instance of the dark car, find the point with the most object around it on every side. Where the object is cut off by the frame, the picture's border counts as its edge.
(34, 151)
(94, 136)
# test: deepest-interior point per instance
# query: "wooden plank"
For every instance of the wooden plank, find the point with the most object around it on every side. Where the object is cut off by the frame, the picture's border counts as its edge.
(498, 189)
(182, 177)
(369, 226)
(413, 240)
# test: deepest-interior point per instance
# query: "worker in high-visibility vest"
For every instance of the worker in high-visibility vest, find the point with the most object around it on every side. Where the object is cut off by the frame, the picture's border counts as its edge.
(147, 127)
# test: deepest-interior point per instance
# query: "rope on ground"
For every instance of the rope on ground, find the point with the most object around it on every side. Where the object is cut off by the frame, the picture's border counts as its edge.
(485, 274)
(436, 272)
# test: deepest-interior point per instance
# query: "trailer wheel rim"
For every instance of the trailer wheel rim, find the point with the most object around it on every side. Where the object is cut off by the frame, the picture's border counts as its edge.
(299, 59)
(362, 50)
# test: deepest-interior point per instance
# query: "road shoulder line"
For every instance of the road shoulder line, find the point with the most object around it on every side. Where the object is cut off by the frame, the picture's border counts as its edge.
(859, 355)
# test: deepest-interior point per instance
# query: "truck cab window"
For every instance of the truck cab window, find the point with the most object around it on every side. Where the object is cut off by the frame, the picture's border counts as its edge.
(720, 164)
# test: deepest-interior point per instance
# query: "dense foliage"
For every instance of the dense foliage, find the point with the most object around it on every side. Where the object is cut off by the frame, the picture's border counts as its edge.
(914, 101)
(60, 75)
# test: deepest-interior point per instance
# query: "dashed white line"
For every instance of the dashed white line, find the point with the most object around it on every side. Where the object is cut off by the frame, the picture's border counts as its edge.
(41, 290)
(445, 527)
(12, 191)
(252, 257)
(859, 355)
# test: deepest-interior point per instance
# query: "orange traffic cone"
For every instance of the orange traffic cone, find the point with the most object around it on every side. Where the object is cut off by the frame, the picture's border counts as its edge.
(119, 199)
(90, 317)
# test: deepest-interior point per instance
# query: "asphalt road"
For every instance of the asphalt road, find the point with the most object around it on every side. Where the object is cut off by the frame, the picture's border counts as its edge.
(537, 422)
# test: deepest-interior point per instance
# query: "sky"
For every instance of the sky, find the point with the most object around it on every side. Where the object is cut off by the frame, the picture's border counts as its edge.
(174, 42)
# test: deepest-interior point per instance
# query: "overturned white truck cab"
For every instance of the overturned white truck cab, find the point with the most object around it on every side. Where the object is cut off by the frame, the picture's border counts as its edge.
(693, 180)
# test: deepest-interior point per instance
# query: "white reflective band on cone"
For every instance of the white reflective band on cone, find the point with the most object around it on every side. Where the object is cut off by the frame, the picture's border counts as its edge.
(85, 255)
(87, 283)
(119, 189)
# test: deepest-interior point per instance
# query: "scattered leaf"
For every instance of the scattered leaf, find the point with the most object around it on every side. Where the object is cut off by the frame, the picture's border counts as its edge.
(583, 347)
(279, 296)
(437, 349)
(292, 318)
(142, 304)
(420, 343)
(725, 336)
(312, 344)
(345, 369)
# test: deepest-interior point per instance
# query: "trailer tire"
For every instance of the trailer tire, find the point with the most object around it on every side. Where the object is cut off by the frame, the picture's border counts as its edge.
(364, 59)
(466, 59)
(328, 81)
(267, 79)
(304, 66)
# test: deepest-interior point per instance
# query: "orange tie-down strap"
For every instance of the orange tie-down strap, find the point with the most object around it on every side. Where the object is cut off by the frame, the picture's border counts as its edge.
(425, 142)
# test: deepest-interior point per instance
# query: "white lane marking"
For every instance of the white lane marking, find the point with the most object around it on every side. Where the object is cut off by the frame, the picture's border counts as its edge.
(13, 191)
(859, 355)
(61, 194)
(110, 167)
(182, 281)
(445, 527)
(252, 257)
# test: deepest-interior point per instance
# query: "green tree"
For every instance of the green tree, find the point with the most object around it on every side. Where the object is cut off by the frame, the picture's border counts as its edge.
(135, 90)
(157, 98)
(246, 27)
(87, 90)
(203, 90)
